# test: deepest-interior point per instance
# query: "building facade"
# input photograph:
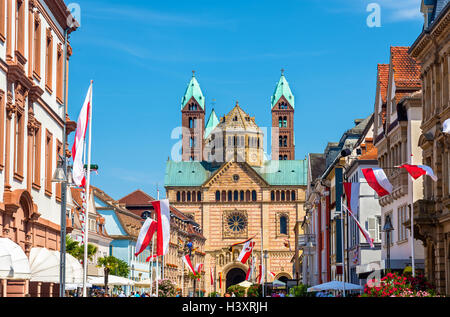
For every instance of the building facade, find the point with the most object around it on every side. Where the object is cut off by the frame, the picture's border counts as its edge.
(235, 192)
(432, 213)
(396, 135)
(32, 117)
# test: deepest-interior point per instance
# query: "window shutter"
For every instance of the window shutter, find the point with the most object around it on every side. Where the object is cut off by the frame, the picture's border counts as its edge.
(372, 227)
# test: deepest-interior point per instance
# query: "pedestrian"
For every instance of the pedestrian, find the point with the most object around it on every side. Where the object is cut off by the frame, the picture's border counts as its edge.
(137, 294)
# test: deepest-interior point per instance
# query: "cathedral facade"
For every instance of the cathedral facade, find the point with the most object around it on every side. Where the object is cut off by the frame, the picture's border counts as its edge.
(229, 185)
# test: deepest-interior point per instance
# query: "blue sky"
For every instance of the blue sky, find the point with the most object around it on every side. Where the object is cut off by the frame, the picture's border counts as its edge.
(140, 55)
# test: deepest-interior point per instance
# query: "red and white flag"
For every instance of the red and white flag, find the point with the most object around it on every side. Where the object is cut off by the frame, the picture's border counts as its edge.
(80, 138)
(419, 170)
(145, 235)
(187, 262)
(162, 211)
(352, 194)
(198, 268)
(377, 179)
(251, 267)
(260, 276)
(272, 274)
(246, 251)
(363, 231)
(212, 277)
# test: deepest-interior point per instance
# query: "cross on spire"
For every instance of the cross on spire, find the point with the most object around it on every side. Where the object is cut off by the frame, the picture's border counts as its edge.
(193, 73)
(282, 71)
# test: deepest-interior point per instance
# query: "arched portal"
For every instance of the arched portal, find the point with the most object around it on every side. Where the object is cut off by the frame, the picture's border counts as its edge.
(235, 276)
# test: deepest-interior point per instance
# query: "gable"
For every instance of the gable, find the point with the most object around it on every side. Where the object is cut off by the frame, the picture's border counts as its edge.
(224, 177)
(136, 198)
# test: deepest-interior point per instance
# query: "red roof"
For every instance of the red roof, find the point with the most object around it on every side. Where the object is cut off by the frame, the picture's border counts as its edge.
(383, 79)
(406, 69)
(137, 198)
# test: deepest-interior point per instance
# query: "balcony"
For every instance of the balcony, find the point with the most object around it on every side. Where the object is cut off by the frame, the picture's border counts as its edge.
(305, 239)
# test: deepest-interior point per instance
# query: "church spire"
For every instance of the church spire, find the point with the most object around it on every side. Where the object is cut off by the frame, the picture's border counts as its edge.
(282, 90)
(193, 90)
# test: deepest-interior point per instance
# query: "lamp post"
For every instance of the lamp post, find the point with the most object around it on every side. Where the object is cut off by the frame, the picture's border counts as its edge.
(388, 228)
(266, 256)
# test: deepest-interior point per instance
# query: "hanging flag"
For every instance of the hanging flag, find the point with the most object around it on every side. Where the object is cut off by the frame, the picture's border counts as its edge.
(418, 170)
(187, 261)
(377, 179)
(272, 274)
(446, 126)
(198, 268)
(352, 194)
(78, 172)
(246, 251)
(363, 231)
(238, 243)
(249, 273)
(162, 211)
(145, 235)
(211, 275)
(260, 276)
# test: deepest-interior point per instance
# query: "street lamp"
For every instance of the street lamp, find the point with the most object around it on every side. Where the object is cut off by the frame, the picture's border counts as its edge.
(266, 256)
(388, 228)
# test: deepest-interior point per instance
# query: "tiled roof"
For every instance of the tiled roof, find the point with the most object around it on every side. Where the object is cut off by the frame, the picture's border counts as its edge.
(136, 198)
(383, 79)
(193, 90)
(406, 70)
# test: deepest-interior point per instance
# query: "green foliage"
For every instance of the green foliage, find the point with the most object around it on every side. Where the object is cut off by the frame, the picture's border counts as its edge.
(254, 291)
(394, 285)
(195, 276)
(300, 291)
(213, 294)
(237, 290)
(122, 269)
(75, 249)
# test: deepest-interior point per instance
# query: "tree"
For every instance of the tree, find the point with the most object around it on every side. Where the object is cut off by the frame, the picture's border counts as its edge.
(108, 263)
(75, 249)
(122, 269)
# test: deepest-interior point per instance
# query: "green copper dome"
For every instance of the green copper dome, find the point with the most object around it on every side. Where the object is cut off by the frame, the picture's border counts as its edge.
(283, 89)
(193, 90)
(213, 121)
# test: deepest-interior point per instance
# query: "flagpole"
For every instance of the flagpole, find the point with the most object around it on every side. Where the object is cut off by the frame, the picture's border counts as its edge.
(157, 262)
(87, 198)
(343, 247)
(413, 261)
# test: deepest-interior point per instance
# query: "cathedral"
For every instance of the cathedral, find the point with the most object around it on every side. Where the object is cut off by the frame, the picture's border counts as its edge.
(229, 185)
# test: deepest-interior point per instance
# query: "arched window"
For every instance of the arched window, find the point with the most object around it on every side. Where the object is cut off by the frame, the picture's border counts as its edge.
(285, 122)
(285, 158)
(281, 141)
(193, 197)
(258, 143)
(278, 195)
(285, 141)
(224, 195)
(281, 157)
(188, 196)
(199, 196)
(283, 225)
(178, 196)
(283, 195)
(230, 195)
(247, 195)
(280, 122)
(183, 196)
(288, 195)
(242, 195)
(293, 195)
(254, 195)
(236, 195)
(217, 195)
(272, 195)
(191, 123)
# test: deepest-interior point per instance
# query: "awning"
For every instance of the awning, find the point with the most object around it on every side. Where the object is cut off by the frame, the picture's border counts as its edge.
(144, 283)
(45, 267)
(72, 287)
(112, 280)
(14, 263)
(335, 285)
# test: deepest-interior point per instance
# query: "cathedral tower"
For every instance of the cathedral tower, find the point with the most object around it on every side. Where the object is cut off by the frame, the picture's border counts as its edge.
(193, 121)
(283, 104)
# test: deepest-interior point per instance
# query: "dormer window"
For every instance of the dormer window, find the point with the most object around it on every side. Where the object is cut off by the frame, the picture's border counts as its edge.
(235, 118)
